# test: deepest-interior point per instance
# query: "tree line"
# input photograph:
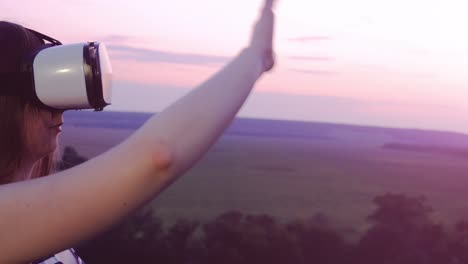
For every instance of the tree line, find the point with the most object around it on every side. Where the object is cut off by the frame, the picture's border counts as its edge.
(401, 232)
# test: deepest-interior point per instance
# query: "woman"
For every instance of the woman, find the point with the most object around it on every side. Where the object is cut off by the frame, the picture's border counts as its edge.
(40, 216)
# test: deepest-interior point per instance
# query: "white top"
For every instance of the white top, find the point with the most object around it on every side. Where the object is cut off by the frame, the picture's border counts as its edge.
(65, 257)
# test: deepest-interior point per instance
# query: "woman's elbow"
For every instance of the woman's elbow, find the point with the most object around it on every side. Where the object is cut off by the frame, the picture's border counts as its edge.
(162, 157)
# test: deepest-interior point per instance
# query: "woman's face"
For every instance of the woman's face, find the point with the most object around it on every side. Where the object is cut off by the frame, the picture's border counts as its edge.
(42, 128)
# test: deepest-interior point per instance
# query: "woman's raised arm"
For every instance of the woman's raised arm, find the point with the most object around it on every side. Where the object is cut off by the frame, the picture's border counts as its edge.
(46, 215)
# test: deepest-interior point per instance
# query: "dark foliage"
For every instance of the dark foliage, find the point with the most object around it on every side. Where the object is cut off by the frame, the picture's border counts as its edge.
(402, 232)
(69, 159)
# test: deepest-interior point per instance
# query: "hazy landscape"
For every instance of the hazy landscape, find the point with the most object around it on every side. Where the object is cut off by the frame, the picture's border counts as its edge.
(296, 170)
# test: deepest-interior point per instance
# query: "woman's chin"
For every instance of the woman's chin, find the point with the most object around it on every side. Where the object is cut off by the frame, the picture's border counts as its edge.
(53, 145)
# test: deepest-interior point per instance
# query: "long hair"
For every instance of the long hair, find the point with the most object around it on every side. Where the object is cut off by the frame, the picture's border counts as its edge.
(15, 43)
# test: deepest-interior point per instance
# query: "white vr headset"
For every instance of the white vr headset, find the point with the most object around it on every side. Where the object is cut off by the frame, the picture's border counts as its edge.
(63, 77)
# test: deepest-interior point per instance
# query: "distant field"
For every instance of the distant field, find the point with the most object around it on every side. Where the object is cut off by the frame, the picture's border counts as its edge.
(299, 170)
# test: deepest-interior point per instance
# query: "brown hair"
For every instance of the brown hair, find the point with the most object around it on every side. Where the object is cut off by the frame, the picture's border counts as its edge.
(15, 43)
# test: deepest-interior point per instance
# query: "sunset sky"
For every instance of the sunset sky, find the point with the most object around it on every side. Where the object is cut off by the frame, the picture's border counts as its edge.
(400, 63)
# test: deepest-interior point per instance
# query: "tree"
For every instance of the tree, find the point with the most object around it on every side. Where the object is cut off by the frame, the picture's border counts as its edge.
(70, 158)
(237, 238)
(403, 233)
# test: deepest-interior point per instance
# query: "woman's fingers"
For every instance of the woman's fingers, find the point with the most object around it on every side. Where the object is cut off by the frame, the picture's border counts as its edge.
(268, 4)
(262, 39)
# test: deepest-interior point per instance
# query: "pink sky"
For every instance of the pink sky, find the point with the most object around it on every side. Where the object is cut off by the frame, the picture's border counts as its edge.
(394, 63)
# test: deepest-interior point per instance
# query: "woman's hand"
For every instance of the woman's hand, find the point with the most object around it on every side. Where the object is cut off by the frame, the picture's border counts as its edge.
(262, 38)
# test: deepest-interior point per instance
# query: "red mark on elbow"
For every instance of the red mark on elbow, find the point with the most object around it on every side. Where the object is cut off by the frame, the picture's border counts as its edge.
(162, 157)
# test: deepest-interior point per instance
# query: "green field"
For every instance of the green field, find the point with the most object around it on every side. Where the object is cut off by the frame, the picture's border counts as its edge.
(297, 177)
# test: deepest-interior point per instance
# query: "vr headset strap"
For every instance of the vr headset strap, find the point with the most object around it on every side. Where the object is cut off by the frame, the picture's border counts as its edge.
(15, 83)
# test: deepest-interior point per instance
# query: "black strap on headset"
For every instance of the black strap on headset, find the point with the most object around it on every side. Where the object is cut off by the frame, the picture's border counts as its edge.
(45, 37)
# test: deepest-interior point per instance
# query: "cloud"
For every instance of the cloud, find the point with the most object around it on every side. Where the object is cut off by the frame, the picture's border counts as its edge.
(73, 2)
(382, 69)
(423, 75)
(114, 38)
(422, 52)
(149, 55)
(315, 72)
(367, 20)
(309, 38)
(415, 105)
(312, 58)
(304, 107)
